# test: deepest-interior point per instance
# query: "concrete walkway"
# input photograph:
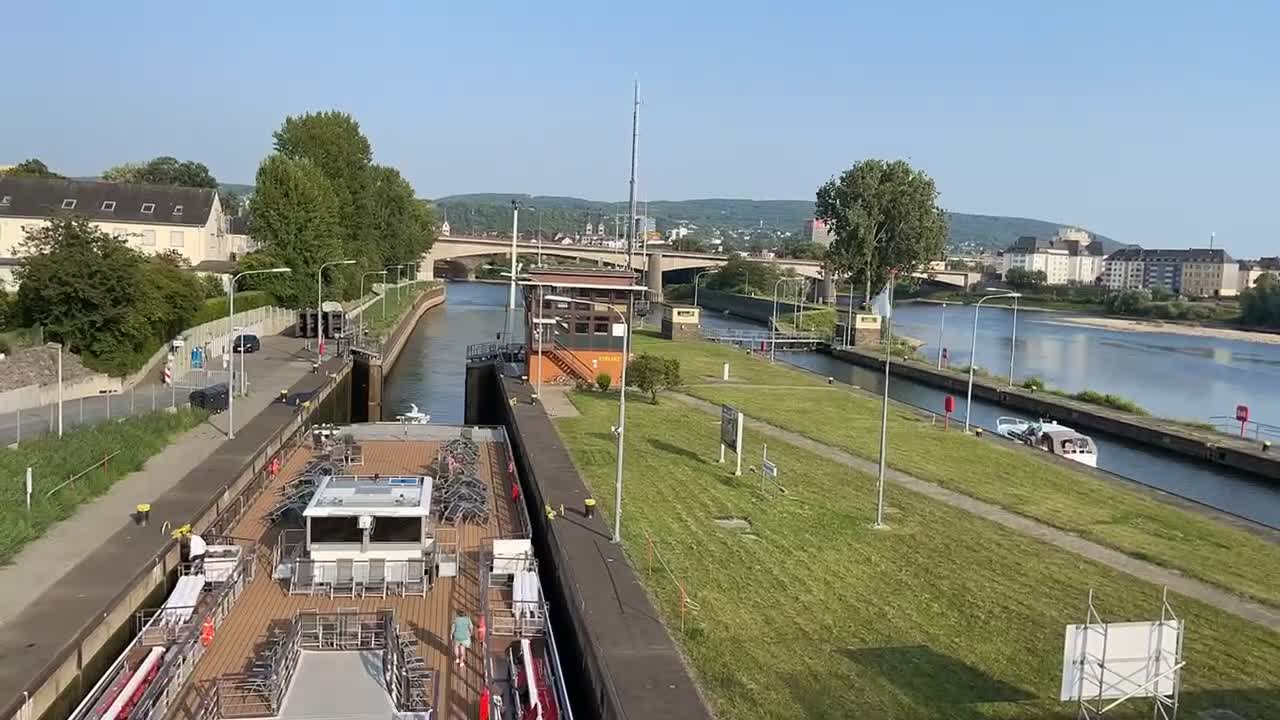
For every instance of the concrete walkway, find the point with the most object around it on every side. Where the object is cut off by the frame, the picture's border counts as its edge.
(1179, 583)
(44, 562)
(555, 400)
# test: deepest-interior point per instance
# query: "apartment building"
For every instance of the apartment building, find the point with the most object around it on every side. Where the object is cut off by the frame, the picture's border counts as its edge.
(1252, 271)
(816, 231)
(1070, 256)
(153, 218)
(1195, 272)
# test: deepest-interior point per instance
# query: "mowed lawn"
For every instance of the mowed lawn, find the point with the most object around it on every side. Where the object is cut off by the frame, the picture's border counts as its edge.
(1104, 511)
(812, 614)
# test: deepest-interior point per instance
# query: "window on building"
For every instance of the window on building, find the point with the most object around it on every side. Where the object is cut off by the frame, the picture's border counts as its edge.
(601, 328)
(149, 237)
(177, 238)
(148, 208)
(108, 206)
(69, 204)
(177, 209)
(581, 327)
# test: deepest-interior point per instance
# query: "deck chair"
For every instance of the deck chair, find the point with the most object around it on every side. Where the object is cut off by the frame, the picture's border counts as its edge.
(415, 578)
(376, 584)
(302, 578)
(344, 584)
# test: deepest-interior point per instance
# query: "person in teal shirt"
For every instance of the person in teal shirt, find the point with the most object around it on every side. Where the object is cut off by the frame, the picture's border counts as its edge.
(462, 630)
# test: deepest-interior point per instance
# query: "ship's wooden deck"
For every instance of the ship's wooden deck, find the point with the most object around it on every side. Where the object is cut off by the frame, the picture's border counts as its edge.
(266, 605)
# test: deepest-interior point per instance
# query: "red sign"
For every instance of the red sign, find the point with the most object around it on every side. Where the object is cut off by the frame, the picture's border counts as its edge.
(1242, 413)
(949, 404)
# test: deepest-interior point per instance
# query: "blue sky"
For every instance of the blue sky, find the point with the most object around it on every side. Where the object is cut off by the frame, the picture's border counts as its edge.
(1151, 122)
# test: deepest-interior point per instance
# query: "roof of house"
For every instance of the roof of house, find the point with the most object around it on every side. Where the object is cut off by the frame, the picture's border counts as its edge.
(35, 197)
(1030, 244)
(1203, 255)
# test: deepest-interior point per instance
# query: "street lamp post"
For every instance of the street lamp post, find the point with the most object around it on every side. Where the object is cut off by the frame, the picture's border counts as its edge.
(973, 349)
(773, 330)
(511, 298)
(884, 407)
(622, 402)
(384, 296)
(695, 285)
(942, 328)
(231, 372)
(1013, 340)
(320, 303)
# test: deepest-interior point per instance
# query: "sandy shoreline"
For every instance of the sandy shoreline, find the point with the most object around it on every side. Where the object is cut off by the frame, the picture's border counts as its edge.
(1155, 326)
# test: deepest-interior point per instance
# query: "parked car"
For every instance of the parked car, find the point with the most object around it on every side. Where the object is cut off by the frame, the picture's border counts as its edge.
(246, 343)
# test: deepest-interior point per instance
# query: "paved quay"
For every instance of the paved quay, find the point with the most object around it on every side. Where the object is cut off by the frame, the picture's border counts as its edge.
(1141, 569)
(62, 583)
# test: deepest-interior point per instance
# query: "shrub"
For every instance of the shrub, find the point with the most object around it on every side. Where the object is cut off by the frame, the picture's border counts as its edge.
(651, 373)
(603, 381)
(1033, 383)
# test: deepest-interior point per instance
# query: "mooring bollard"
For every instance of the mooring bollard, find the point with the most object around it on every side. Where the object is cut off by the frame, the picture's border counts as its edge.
(1266, 446)
(977, 432)
(589, 507)
(144, 514)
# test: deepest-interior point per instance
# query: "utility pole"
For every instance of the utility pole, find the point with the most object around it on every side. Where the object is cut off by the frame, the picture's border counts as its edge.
(631, 195)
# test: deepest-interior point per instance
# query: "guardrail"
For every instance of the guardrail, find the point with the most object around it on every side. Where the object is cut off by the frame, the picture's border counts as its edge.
(1249, 428)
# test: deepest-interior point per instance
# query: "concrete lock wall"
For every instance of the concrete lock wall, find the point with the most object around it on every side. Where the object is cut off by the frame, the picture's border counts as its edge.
(744, 306)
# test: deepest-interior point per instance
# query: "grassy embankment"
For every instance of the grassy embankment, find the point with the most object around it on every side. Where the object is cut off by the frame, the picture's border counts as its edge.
(53, 460)
(378, 324)
(812, 614)
(1100, 510)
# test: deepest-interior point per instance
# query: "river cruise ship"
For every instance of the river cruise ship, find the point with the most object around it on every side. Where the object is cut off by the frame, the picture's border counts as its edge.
(338, 586)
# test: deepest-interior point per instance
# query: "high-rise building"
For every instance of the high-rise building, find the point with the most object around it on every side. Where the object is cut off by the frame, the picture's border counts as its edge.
(816, 231)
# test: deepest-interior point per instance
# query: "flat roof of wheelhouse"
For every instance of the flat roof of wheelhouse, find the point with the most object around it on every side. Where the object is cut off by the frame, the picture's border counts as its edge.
(376, 496)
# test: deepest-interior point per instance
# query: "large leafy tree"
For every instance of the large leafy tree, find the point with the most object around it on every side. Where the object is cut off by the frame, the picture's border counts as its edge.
(333, 142)
(32, 167)
(402, 224)
(743, 276)
(295, 220)
(1260, 304)
(89, 290)
(884, 216)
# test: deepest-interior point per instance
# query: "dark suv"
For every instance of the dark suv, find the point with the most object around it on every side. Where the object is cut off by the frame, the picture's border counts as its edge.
(246, 344)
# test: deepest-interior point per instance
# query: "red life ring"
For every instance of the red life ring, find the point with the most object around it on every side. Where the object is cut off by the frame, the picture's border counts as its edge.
(206, 632)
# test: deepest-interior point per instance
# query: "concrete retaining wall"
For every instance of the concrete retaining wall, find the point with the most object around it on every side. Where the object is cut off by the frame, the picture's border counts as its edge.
(1223, 451)
(259, 321)
(744, 306)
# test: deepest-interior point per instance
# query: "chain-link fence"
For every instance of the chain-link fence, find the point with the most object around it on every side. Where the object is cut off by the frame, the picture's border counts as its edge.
(25, 425)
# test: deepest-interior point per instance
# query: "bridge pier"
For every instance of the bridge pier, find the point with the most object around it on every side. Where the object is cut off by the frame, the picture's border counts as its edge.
(655, 277)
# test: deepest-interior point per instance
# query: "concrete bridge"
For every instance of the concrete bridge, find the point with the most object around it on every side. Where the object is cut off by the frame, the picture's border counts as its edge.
(467, 251)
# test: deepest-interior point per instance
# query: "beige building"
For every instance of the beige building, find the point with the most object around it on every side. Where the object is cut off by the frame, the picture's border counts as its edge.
(153, 218)
(1198, 272)
(1252, 271)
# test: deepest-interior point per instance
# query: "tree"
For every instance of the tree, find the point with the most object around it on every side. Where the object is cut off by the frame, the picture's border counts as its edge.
(339, 150)
(1023, 279)
(1260, 304)
(740, 275)
(402, 224)
(651, 373)
(102, 299)
(295, 222)
(32, 167)
(1128, 302)
(163, 170)
(883, 216)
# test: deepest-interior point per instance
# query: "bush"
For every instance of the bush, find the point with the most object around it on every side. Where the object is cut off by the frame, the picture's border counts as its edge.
(1033, 384)
(603, 381)
(651, 373)
(1115, 402)
(217, 308)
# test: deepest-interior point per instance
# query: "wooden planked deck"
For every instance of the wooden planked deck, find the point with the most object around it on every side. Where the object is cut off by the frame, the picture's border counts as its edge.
(266, 605)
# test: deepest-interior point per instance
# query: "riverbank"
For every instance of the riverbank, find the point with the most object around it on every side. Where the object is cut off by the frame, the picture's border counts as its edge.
(794, 607)
(1012, 477)
(1172, 328)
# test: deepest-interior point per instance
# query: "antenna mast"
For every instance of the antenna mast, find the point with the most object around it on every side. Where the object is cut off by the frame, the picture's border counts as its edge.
(631, 201)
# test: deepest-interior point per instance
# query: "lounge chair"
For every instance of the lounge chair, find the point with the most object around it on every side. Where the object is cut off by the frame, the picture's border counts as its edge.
(415, 578)
(302, 578)
(344, 584)
(376, 584)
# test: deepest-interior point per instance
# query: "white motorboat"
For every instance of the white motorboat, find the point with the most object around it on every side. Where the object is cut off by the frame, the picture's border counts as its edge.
(1051, 437)
(414, 416)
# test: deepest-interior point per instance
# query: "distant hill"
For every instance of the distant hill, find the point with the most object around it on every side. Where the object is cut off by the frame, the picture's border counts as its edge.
(490, 212)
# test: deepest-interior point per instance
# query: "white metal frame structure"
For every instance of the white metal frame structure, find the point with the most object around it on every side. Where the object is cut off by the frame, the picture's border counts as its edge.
(1118, 661)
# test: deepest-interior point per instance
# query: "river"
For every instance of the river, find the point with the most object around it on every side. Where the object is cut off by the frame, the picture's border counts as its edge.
(432, 370)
